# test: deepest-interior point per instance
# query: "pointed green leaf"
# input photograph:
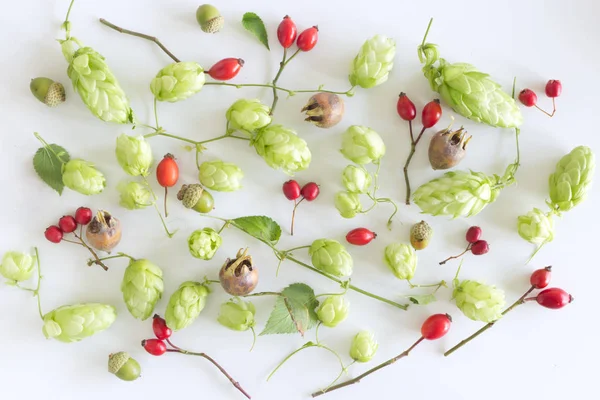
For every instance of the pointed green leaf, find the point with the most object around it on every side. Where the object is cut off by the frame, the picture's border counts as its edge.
(254, 24)
(49, 167)
(294, 311)
(260, 227)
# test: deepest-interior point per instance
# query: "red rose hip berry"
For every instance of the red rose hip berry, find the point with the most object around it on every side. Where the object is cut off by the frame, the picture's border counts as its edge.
(528, 97)
(307, 40)
(54, 234)
(553, 88)
(541, 278)
(226, 69)
(156, 347)
(436, 326)
(480, 247)
(432, 112)
(360, 236)
(291, 189)
(473, 234)
(286, 32)
(310, 191)
(83, 215)
(553, 298)
(406, 108)
(160, 328)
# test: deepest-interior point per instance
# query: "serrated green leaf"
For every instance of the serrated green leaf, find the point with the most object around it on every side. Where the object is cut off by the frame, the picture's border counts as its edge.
(294, 311)
(48, 166)
(254, 24)
(422, 299)
(260, 227)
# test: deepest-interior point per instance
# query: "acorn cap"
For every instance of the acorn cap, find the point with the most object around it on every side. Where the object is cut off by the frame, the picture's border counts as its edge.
(47, 91)
(116, 361)
(420, 233)
(209, 18)
(190, 194)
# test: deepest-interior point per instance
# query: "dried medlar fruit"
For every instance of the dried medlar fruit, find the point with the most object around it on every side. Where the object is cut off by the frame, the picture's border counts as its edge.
(447, 148)
(104, 232)
(324, 109)
(238, 276)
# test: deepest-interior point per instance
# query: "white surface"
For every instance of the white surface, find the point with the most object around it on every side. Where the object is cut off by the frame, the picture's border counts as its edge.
(534, 353)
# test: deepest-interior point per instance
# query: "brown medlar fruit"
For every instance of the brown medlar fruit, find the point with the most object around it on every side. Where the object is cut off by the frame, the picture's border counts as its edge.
(447, 148)
(104, 232)
(324, 109)
(238, 276)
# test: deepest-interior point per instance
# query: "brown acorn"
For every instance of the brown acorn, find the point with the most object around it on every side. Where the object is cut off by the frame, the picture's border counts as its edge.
(324, 109)
(104, 232)
(420, 234)
(238, 276)
(447, 148)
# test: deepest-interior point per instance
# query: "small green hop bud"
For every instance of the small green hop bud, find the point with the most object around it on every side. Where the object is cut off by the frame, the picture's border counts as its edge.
(248, 115)
(536, 227)
(204, 243)
(363, 347)
(81, 176)
(330, 256)
(221, 176)
(142, 287)
(478, 301)
(134, 155)
(123, 366)
(237, 314)
(401, 259)
(362, 145)
(282, 148)
(16, 266)
(209, 18)
(186, 304)
(356, 179)
(47, 91)
(333, 310)
(195, 197)
(134, 195)
(348, 204)
(178, 81)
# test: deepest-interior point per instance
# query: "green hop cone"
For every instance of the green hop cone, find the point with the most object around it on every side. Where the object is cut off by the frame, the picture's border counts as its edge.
(362, 145)
(178, 81)
(536, 227)
(237, 314)
(74, 323)
(248, 115)
(97, 86)
(457, 194)
(134, 195)
(330, 256)
(134, 155)
(573, 177)
(363, 347)
(282, 149)
(348, 204)
(17, 266)
(81, 176)
(356, 179)
(142, 287)
(221, 176)
(373, 63)
(401, 259)
(478, 301)
(204, 243)
(469, 92)
(186, 304)
(333, 310)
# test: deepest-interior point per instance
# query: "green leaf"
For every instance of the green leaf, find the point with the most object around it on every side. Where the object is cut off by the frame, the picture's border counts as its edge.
(260, 227)
(254, 24)
(422, 299)
(48, 166)
(294, 311)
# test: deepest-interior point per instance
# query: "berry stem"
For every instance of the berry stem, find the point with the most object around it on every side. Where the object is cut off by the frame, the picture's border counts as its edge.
(166, 210)
(118, 255)
(296, 204)
(413, 148)
(546, 112)
(536, 251)
(162, 220)
(263, 294)
(156, 114)
(281, 67)
(291, 92)
(36, 291)
(349, 382)
(97, 259)
(435, 285)
(253, 338)
(307, 346)
(487, 326)
(457, 256)
(295, 248)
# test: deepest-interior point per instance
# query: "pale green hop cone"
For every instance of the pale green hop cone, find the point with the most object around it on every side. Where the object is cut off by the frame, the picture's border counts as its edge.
(362, 145)
(221, 176)
(333, 310)
(134, 195)
(237, 314)
(363, 347)
(81, 176)
(348, 204)
(478, 301)
(401, 259)
(142, 287)
(178, 81)
(356, 179)
(282, 149)
(373, 63)
(74, 323)
(204, 243)
(186, 304)
(17, 266)
(134, 155)
(570, 183)
(248, 115)
(536, 227)
(330, 256)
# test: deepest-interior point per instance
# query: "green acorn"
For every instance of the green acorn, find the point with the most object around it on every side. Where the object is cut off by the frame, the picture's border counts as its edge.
(123, 366)
(420, 234)
(209, 18)
(47, 91)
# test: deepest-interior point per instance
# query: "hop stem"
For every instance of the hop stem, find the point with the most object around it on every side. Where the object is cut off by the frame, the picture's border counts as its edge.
(82, 242)
(413, 148)
(282, 65)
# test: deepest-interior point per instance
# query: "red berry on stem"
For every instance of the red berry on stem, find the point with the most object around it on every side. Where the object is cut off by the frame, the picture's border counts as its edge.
(480, 247)
(360, 236)
(436, 326)
(307, 40)
(167, 171)
(226, 69)
(54, 234)
(160, 328)
(541, 278)
(83, 215)
(291, 189)
(286, 32)
(553, 88)
(156, 347)
(406, 108)
(473, 234)
(432, 112)
(553, 298)
(67, 224)
(310, 191)
(528, 97)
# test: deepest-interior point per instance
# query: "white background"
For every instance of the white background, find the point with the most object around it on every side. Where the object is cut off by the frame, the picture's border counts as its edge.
(534, 352)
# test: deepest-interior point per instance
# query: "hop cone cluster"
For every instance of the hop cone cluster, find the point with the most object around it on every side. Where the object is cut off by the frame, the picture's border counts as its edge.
(134, 195)
(401, 259)
(248, 115)
(363, 347)
(204, 243)
(478, 301)
(134, 155)
(536, 227)
(570, 182)
(74, 323)
(186, 304)
(142, 287)
(330, 256)
(237, 314)
(333, 310)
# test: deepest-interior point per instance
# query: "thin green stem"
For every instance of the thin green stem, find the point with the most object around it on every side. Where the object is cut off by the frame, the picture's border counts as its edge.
(514, 87)
(66, 22)
(253, 338)
(263, 294)
(387, 200)
(275, 95)
(287, 358)
(82, 242)
(118, 255)
(225, 225)
(333, 294)
(47, 147)
(435, 285)
(39, 282)
(296, 248)
(458, 271)
(427, 32)
(536, 251)
(288, 91)
(156, 114)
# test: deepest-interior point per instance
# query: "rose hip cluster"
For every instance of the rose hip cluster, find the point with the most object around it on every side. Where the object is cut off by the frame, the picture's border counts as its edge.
(475, 245)
(293, 191)
(287, 33)
(529, 98)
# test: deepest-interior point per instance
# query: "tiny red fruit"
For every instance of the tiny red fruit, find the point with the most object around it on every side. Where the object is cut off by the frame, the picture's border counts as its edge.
(156, 347)
(226, 69)
(160, 328)
(473, 234)
(286, 32)
(310, 191)
(480, 247)
(307, 40)
(406, 108)
(436, 326)
(528, 97)
(83, 215)
(167, 171)
(553, 298)
(291, 189)
(432, 112)
(553, 88)
(360, 236)
(54, 234)
(67, 224)
(541, 278)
